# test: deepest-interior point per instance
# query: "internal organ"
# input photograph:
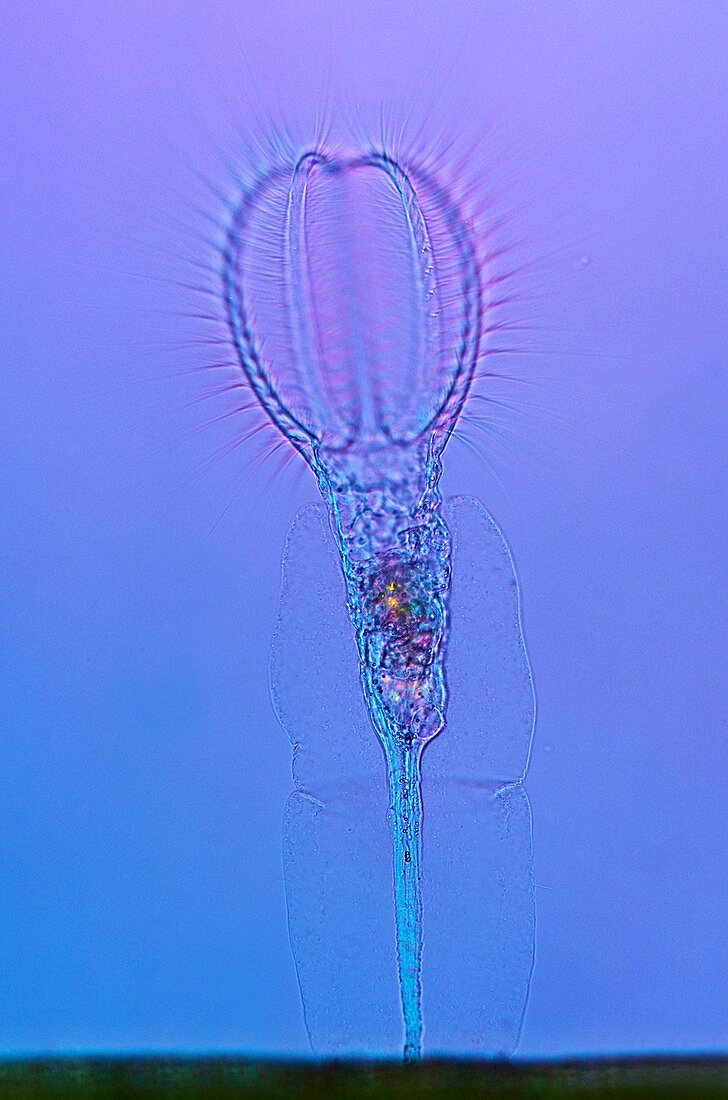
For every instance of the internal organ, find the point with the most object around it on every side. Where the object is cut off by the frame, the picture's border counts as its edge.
(402, 633)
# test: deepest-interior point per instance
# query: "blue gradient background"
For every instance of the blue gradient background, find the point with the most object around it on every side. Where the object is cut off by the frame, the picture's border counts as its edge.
(143, 775)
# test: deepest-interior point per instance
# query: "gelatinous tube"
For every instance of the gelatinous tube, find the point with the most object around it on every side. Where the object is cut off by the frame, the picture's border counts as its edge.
(478, 914)
(354, 301)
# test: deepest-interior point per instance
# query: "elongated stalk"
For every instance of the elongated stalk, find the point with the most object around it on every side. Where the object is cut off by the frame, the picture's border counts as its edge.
(403, 766)
(395, 553)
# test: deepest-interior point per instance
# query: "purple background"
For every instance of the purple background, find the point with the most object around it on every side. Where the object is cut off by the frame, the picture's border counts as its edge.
(143, 773)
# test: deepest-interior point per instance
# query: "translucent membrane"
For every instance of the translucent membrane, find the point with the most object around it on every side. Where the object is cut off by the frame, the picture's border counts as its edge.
(477, 888)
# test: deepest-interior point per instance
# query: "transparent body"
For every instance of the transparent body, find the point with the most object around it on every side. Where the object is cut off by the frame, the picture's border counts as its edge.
(354, 298)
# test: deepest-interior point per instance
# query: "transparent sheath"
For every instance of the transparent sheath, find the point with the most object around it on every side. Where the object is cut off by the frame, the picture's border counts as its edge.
(477, 878)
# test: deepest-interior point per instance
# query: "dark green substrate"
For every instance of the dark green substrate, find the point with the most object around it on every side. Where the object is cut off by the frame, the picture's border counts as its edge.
(222, 1078)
